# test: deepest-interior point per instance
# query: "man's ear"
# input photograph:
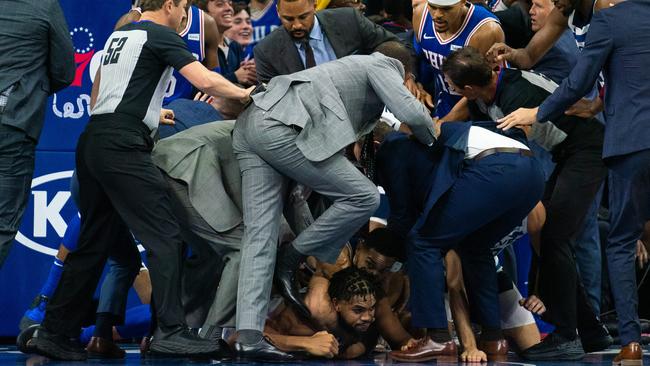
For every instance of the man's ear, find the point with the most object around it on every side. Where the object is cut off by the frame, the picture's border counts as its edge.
(168, 5)
(336, 304)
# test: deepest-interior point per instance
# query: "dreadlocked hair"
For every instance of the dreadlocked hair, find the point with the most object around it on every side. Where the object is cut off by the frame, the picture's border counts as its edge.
(350, 282)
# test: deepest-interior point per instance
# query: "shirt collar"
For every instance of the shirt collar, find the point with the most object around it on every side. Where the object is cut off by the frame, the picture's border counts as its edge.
(316, 32)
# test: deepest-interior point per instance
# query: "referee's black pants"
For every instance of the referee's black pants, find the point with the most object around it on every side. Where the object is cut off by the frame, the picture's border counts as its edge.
(569, 193)
(120, 189)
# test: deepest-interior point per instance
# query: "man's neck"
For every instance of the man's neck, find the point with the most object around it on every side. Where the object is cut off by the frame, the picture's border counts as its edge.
(157, 17)
(258, 5)
(489, 92)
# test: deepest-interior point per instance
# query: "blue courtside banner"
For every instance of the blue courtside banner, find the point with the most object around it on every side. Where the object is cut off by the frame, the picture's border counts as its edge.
(50, 207)
(90, 23)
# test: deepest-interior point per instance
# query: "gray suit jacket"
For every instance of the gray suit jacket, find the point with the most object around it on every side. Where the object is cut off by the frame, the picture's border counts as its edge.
(36, 54)
(202, 157)
(347, 30)
(338, 102)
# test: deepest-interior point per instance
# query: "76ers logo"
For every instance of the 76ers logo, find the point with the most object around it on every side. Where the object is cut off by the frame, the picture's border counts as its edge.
(85, 56)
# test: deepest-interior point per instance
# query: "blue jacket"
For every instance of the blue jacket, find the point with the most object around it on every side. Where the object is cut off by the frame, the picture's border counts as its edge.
(616, 43)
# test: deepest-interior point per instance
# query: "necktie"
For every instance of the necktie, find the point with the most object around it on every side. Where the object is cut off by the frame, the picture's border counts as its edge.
(310, 61)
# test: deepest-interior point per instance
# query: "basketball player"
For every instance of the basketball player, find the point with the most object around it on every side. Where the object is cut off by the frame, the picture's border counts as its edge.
(443, 26)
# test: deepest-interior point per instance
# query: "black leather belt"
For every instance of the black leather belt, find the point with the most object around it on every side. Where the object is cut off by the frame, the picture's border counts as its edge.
(508, 150)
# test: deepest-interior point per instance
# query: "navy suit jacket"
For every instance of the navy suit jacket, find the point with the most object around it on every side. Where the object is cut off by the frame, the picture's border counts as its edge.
(617, 43)
(415, 176)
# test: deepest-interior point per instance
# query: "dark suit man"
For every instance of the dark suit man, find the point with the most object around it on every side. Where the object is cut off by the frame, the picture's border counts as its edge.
(36, 60)
(467, 191)
(332, 34)
(205, 186)
(614, 45)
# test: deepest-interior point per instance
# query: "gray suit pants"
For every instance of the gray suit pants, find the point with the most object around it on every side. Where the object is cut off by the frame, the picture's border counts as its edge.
(205, 241)
(268, 159)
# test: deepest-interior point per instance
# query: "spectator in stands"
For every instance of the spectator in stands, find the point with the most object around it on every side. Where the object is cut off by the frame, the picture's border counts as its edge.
(242, 30)
(264, 18)
(307, 39)
(232, 60)
(36, 60)
(399, 14)
(355, 4)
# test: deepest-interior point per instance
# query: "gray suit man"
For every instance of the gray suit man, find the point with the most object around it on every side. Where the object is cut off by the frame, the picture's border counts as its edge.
(205, 186)
(36, 60)
(296, 131)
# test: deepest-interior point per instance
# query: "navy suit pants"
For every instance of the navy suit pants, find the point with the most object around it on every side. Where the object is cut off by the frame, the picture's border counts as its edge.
(629, 209)
(490, 197)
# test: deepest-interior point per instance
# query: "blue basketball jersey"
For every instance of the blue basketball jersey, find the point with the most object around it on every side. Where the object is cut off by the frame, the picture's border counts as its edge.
(579, 25)
(430, 46)
(265, 22)
(193, 35)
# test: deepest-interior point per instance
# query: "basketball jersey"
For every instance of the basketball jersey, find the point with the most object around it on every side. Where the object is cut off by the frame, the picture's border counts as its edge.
(193, 35)
(435, 50)
(497, 5)
(265, 22)
(580, 26)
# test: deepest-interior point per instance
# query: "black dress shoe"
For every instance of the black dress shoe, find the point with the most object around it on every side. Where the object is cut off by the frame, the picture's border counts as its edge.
(179, 341)
(287, 263)
(596, 340)
(56, 346)
(24, 339)
(554, 348)
(262, 351)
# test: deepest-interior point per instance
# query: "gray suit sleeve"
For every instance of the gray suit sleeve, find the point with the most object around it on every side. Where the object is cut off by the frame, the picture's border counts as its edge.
(61, 66)
(387, 79)
(372, 35)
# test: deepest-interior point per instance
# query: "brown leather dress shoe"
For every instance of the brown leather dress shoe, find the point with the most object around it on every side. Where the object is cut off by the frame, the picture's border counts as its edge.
(103, 348)
(495, 350)
(427, 350)
(630, 355)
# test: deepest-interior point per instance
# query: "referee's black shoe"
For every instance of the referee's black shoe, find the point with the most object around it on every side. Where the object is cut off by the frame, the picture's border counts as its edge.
(179, 341)
(56, 346)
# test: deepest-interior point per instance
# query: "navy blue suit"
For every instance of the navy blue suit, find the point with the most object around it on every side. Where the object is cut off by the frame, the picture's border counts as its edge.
(616, 43)
(439, 201)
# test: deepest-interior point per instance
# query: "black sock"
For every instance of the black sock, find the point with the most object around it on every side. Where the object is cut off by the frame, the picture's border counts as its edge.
(104, 326)
(249, 336)
(439, 335)
(491, 334)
